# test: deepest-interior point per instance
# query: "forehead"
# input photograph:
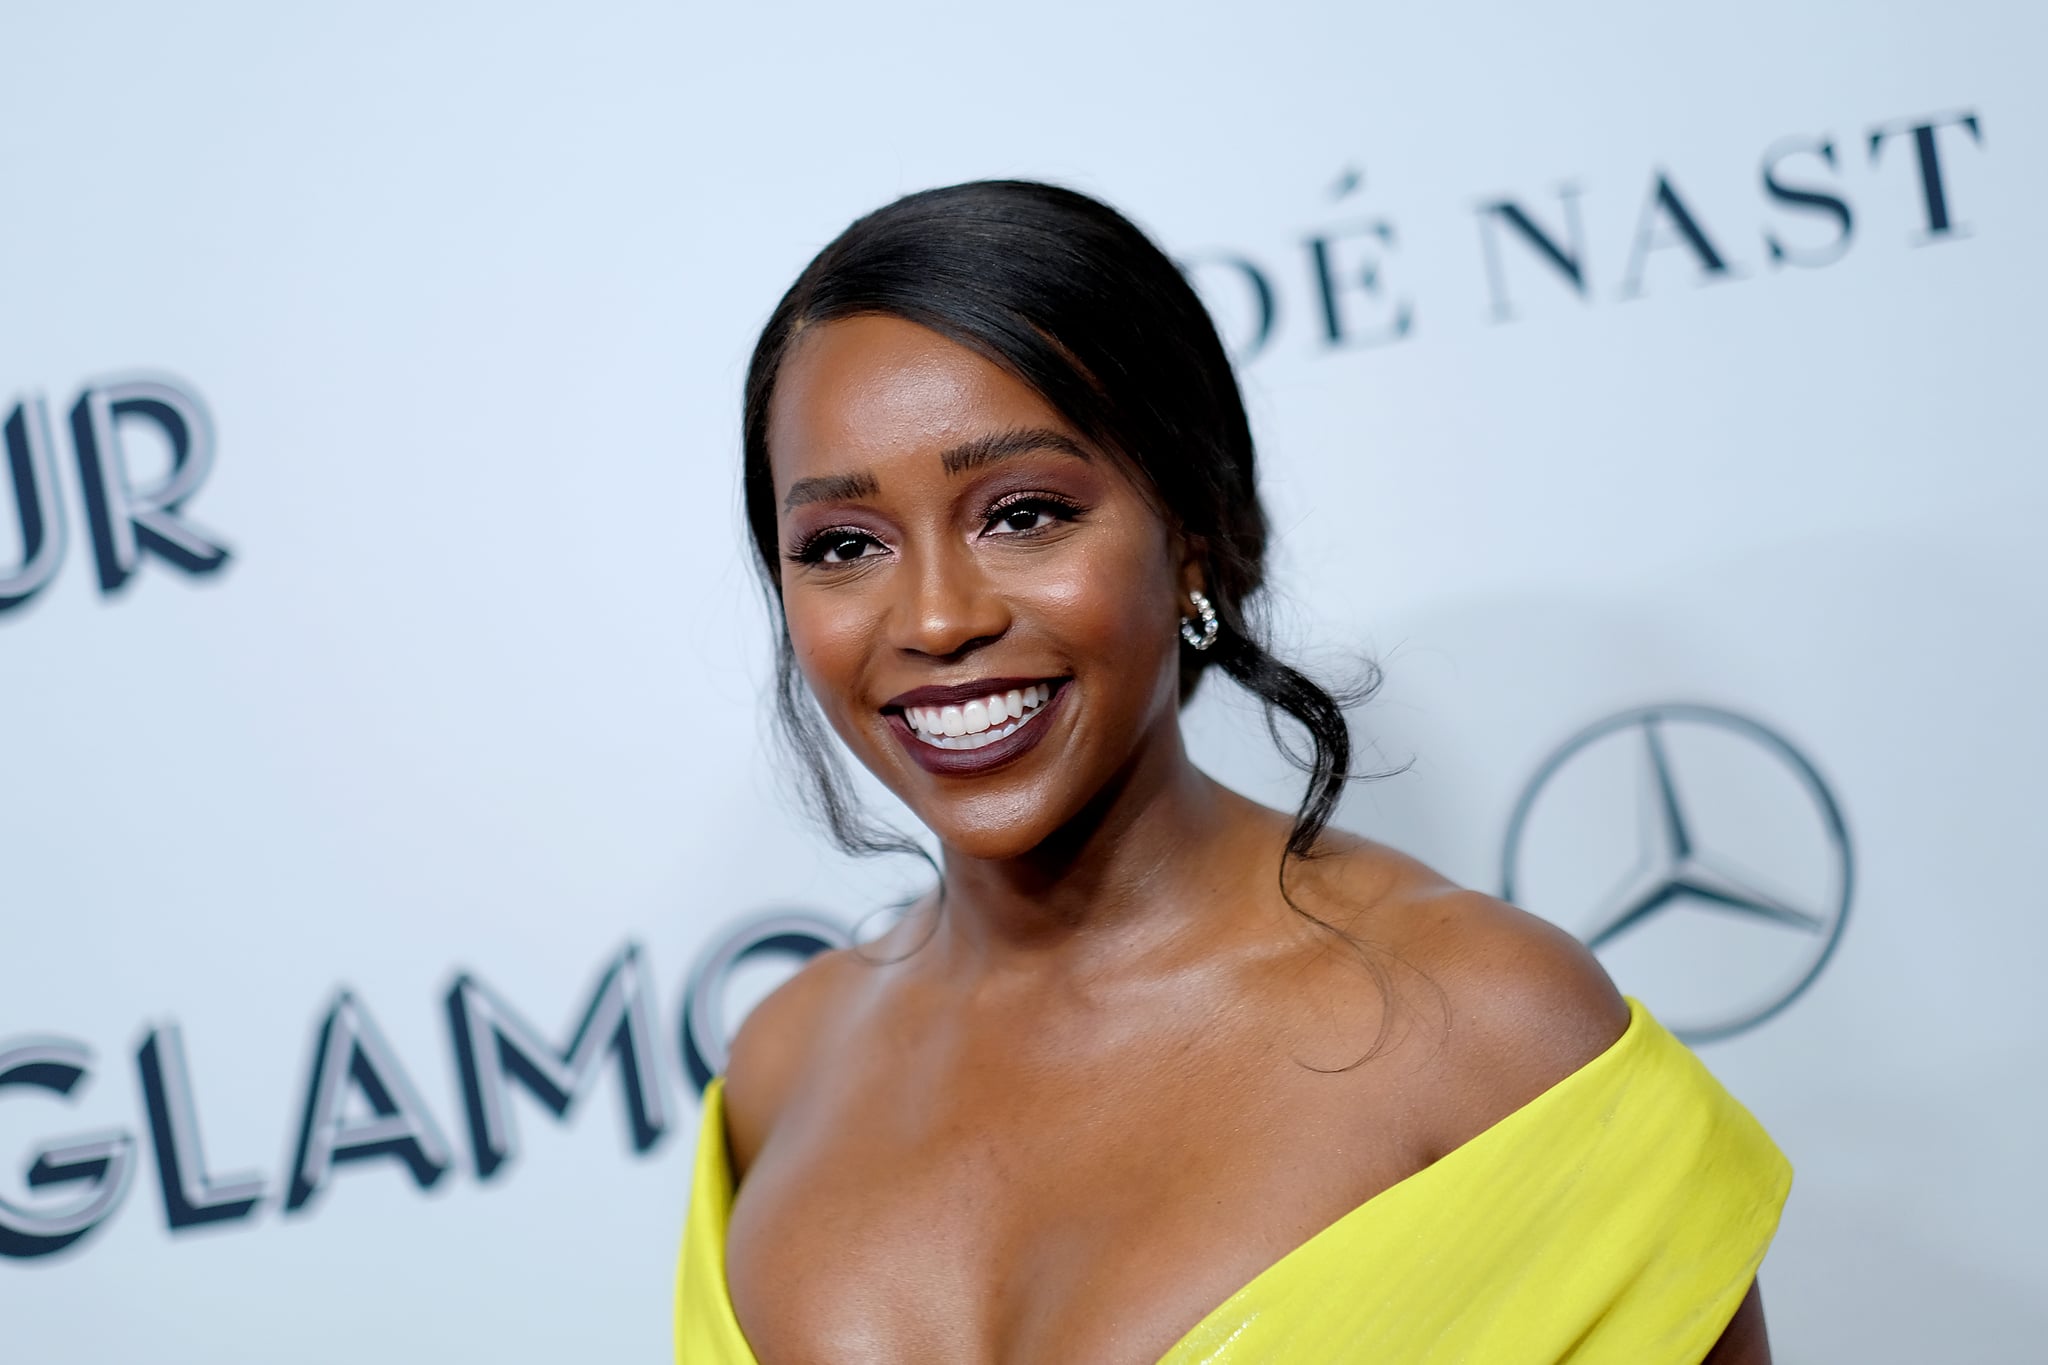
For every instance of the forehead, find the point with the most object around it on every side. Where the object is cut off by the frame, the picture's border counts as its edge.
(861, 392)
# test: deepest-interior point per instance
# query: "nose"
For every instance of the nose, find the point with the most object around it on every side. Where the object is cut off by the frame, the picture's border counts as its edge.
(947, 606)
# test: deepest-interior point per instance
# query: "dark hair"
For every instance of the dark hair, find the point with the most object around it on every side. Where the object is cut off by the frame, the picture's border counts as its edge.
(1072, 298)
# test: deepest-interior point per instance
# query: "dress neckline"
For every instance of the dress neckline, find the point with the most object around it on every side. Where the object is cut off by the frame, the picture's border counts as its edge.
(1346, 1228)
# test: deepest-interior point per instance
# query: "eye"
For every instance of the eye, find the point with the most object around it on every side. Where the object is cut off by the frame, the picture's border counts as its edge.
(1023, 515)
(841, 545)
(1024, 518)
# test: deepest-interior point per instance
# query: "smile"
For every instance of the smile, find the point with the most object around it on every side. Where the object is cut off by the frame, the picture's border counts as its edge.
(975, 728)
(978, 724)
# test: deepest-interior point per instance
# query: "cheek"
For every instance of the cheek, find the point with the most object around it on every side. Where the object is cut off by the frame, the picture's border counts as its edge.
(830, 640)
(1114, 601)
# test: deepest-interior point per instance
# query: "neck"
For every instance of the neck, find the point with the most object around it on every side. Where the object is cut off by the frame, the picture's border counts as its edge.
(1117, 880)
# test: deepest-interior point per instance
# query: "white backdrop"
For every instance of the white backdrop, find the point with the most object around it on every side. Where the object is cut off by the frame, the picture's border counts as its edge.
(465, 293)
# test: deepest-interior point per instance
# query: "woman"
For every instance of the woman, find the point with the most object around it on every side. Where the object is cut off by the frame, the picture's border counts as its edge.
(1154, 1074)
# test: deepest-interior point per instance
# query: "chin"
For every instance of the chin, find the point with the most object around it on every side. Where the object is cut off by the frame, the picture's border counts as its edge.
(993, 827)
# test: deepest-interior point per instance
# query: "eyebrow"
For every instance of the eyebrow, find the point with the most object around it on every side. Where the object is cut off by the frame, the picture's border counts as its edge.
(830, 488)
(982, 450)
(1002, 445)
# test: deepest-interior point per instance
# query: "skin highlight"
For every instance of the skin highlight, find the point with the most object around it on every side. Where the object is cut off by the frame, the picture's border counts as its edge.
(1065, 1110)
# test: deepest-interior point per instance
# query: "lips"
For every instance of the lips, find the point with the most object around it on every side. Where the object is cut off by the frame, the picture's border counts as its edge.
(979, 722)
(975, 727)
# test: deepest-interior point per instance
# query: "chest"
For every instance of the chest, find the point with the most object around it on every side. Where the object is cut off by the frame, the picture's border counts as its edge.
(1020, 1214)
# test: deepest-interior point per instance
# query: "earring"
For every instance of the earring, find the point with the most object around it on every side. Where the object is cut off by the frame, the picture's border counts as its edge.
(1206, 636)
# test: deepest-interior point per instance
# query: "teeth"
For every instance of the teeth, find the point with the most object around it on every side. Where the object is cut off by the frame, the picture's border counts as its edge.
(978, 723)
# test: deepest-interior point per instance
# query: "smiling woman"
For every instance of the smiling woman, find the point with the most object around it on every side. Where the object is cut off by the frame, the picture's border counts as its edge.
(1153, 1073)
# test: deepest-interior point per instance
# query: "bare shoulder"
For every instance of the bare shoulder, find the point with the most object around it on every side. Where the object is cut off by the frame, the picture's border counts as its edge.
(777, 1041)
(1506, 1003)
(1526, 1002)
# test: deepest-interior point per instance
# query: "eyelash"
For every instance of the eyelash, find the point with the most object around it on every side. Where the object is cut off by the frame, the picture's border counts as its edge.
(1060, 508)
(811, 550)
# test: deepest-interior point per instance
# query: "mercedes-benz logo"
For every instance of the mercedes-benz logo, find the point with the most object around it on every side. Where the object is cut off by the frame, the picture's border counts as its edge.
(1697, 852)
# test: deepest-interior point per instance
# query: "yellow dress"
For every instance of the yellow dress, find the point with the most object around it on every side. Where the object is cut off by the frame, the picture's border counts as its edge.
(1616, 1219)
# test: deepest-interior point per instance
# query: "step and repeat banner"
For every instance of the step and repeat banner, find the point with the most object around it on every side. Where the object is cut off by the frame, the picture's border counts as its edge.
(389, 836)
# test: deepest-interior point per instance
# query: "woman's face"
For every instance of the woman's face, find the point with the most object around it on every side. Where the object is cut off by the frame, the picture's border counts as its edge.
(954, 553)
